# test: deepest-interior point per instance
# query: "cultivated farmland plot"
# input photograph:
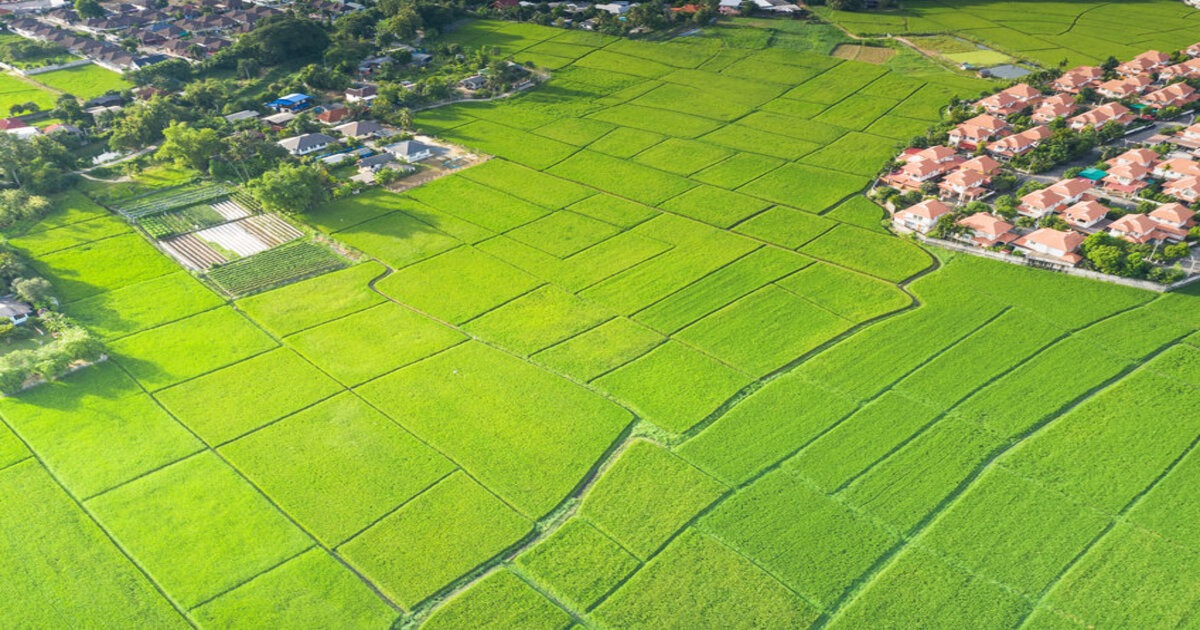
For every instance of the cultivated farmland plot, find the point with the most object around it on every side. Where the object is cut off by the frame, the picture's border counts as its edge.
(655, 365)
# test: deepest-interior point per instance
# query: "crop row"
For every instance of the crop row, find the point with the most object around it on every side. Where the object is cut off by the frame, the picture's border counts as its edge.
(171, 200)
(274, 267)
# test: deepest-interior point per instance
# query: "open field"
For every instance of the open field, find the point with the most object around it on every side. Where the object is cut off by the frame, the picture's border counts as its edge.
(650, 366)
(84, 82)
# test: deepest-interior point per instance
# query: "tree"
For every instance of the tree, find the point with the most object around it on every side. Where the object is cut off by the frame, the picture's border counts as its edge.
(89, 9)
(283, 38)
(67, 108)
(290, 188)
(845, 5)
(142, 124)
(1176, 251)
(189, 147)
(37, 291)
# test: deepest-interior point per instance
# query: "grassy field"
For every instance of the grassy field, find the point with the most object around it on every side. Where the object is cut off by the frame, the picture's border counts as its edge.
(84, 82)
(655, 364)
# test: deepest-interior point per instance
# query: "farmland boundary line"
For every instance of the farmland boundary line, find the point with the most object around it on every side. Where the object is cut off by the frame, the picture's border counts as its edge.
(15, 463)
(385, 515)
(241, 583)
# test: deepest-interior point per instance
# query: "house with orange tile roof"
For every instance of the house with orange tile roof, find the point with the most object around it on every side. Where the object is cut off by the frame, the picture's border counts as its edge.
(1189, 69)
(1193, 50)
(1127, 87)
(1174, 218)
(923, 166)
(1040, 203)
(1185, 189)
(986, 230)
(1177, 168)
(1102, 115)
(1010, 101)
(978, 130)
(1136, 228)
(1145, 63)
(1058, 106)
(1142, 157)
(964, 185)
(1049, 243)
(1085, 214)
(1174, 95)
(921, 217)
(1076, 79)
(1072, 190)
(1126, 179)
(1021, 143)
(1189, 138)
(984, 165)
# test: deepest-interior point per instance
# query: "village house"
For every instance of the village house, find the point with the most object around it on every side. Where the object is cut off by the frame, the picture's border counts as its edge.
(1188, 138)
(473, 83)
(1177, 168)
(986, 230)
(1127, 87)
(1185, 189)
(984, 165)
(1189, 69)
(1053, 108)
(978, 130)
(1085, 214)
(307, 143)
(1040, 203)
(1021, 143)
(1102, 115)
(1126, 179)
(922, 217)
(334, 115)
(1193, 50)
(963, 185)
(1145, 63)
(410, 151)
(923, 166)
(362, 93)
(1141, 157)
(1174, 95)
(14, 310)
(1174, 218)
(1139, 228)
(1011, 100)
(361, 129)
(1054, 244)
(1076, 79)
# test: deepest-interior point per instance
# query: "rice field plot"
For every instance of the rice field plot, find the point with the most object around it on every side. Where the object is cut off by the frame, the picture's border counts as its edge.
(190, 347)
(397, 239)
(575, 131)
(275, 267)
(564, 234)
(536, 320)
(444, 532)
(503, 599)
(805, 187)
(84, 82)
(682, 157)
(470, 398)
(647, 496)
(1125, 458)
(143, 305)
(750, 140)
(1130, 577)
(337, 467)
(312, 588)
(720, 288)
(525, 183)
(79, 425)
(850, 295)
(45, 531)
(1015, 531)
(48, 241)
(198, 528)
(578, 563)
(98, 266)
(626, 142)
(639, 183)
(737, 170)
(789, 125)
(950, 597)
(458, 285)
(773, 521)
(1167, 509)
(487, 207)
(599, 350)
(702, 102)
(764, 331)
(857, 153)
(518, 146)
(372, 342)
(703, 572)
(866, 54)
(715, 206)
(837, 83)
(655, 120)
(623, 64)
(222, 405)
(870, 252)
(674, 386)
(290, 309)
(856, 111)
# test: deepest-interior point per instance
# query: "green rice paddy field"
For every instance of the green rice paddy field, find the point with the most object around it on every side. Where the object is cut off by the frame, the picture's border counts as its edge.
(655, 365)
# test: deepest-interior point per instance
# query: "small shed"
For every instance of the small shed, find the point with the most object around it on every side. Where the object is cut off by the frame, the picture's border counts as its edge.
(14, 310)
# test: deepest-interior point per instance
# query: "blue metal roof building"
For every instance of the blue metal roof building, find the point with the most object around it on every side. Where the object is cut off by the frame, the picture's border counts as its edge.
(291, 102)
